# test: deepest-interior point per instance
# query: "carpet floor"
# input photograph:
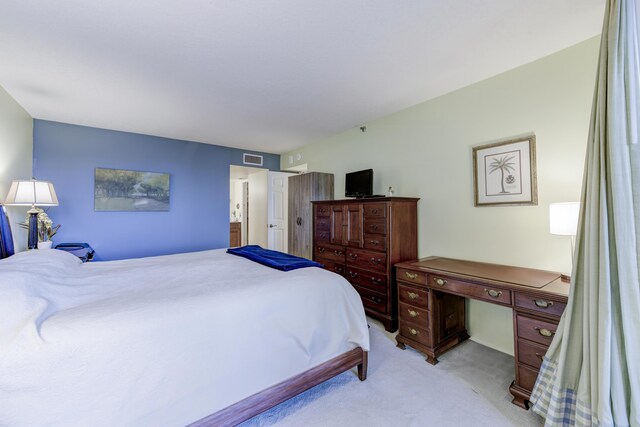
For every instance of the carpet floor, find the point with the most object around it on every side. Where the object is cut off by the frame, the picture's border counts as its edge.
(469, 387)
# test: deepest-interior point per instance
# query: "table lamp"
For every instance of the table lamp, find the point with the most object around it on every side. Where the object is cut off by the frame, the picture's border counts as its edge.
(32, 193)
(563, 221)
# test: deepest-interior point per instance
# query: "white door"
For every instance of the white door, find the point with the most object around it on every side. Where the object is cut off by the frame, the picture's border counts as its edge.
(277, 210)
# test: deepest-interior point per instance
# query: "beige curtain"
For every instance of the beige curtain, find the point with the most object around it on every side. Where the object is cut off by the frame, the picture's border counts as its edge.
(591, 373)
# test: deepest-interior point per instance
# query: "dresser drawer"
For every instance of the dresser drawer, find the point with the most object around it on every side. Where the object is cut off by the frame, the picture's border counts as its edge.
(471, 290)
(332, 252)
(542, 305)
(375, 210)
(367, 259)
(376, 226)
(536, 330)
(323, 235)
(375, 242)
(367, 279)
(416, 277)
(415, 297)
(527, 377)
(322, 210)
(531, 354)
(409, 313)
(416, 333)
(372, 300)
(335, 267)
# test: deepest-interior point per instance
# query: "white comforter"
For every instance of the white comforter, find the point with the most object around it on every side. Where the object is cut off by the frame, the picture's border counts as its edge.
(160, 341)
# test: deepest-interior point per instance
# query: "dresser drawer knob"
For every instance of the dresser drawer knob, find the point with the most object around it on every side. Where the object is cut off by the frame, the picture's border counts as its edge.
(544, 332)
(413, 331)
(376, 300)
(321, 249)
(374, 226)
(540, 356)
(412, 276)
(439, 281)
(340, 269)
(412, 313)
(412, 295)
(374, 242)
(493, 293)
(376, 281)
(375, 261)
(353, 274)
(338, 253)
(543, 304)
(353, 256)
(374, 211)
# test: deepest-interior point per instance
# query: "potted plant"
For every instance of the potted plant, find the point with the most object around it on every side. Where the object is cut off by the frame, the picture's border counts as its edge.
(46, 229)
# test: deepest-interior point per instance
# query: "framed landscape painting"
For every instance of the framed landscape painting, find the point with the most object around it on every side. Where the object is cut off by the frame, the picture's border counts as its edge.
(504, 173)
(125, 190)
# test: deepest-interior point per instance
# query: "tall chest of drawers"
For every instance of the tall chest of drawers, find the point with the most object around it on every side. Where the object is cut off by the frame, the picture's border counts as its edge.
(361, 240)
(431, 294)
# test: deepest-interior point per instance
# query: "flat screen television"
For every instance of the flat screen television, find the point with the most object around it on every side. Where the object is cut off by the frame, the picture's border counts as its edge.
(359, 184)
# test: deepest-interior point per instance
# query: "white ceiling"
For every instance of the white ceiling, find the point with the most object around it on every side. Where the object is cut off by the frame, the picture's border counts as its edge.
(265, 75)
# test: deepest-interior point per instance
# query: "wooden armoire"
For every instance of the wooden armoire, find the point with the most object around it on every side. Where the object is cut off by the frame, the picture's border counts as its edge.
(303, 189)
(361, 239)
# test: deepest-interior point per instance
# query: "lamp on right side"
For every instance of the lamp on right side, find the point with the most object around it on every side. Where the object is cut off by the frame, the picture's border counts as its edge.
(563, 221)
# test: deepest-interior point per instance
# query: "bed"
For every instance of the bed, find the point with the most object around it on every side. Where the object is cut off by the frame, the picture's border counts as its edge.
(205, 338)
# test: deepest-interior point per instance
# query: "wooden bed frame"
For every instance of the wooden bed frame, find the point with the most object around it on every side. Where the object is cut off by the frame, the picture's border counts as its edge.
(272, 396)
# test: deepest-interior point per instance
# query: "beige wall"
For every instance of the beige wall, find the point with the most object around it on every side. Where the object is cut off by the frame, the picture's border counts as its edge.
(425, 151)
(16, 156)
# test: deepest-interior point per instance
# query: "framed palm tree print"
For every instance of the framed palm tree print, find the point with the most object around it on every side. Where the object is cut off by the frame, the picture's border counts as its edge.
(504, 172)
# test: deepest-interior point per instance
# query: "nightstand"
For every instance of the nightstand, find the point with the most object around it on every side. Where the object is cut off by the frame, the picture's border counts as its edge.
(82, 250)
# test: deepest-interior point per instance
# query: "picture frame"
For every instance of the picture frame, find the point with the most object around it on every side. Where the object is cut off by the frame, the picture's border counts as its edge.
(119, 190)
(504, 172)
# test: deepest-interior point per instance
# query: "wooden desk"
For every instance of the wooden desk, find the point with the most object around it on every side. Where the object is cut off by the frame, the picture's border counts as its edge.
(431, 294)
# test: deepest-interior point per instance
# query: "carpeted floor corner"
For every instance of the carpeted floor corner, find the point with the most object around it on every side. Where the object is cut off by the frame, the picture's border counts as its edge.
(469, 387)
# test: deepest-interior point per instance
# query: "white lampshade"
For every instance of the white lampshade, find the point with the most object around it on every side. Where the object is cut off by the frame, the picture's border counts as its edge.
(31, 193)
(563, 218)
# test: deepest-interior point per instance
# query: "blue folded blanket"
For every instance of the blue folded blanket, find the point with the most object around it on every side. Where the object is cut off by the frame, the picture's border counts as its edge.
(273, 259)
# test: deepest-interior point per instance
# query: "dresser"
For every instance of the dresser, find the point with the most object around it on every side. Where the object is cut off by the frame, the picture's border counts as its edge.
(431, 294)
(361, 239)
(303, 189)
(235, 234)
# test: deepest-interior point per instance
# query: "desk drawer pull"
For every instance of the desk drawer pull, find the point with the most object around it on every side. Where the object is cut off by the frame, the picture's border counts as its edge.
(412, 276)
(414, 332)
(412, 295)
(493, 293)
(544, 332)
(439, 281)
(543, 304)
(413, 313)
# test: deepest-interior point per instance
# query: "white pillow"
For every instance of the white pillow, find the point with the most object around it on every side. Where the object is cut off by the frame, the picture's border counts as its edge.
(42, 259)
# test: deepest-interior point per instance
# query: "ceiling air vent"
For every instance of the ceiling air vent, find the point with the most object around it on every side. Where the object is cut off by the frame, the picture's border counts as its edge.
(252, 159)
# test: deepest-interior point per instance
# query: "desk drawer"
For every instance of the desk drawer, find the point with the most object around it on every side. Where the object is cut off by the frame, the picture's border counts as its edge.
(527, 377)
(413, 296)
(531, 354)
(332, 252)
(372, 300)
(416, 277)
(367, 279)
(542, 305)
(375, 210)
(375, 226)
(471, 290)
(375, 242)
(337, 268)
(536, 330)
(416, 333)
(367, 259)
(409, 313)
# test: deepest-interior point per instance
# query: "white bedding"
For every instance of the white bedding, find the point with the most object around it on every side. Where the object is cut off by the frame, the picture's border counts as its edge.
(160, 341)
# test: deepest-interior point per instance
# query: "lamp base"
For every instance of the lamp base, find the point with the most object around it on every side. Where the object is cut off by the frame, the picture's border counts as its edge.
(565, 278)
(32, 242)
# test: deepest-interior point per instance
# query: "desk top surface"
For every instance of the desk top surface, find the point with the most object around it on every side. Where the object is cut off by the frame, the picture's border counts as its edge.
(510, 276)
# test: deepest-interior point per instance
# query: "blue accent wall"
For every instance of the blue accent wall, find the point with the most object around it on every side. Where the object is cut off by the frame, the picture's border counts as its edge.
(198, 217)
